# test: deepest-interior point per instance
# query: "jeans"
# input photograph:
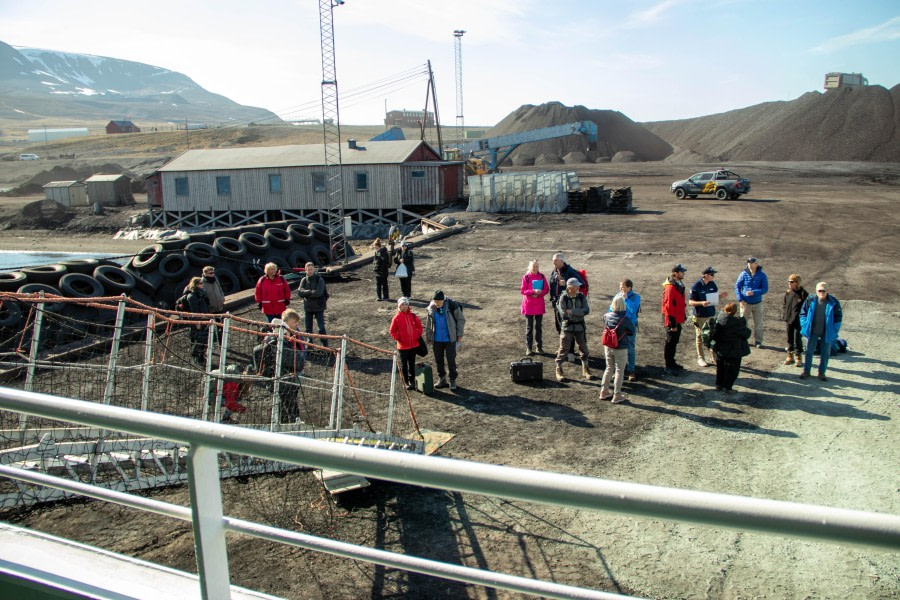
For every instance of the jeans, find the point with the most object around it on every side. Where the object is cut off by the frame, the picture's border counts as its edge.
(672, 338)
(381, 287)
(320, 321)
(447, 349)
(794, 339)
(824, 355)
(631, 352)
(534, 331)
(756, 311)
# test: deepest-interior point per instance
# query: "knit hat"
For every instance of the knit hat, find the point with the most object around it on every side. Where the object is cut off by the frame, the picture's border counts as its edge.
(402, 300)
(438, 295)
(572, 281)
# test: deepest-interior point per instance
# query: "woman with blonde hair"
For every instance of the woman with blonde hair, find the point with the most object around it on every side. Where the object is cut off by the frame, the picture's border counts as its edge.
(616, 358)
(534, 288)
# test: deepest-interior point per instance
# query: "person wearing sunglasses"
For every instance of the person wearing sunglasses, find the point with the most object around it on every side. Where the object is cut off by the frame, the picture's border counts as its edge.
(820, 322)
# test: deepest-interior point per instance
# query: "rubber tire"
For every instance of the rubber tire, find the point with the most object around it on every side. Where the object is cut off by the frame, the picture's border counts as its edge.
(204, 237)
(248, 274)
(254, 228)
(10, 315)
(228, 232)
(230, 247)
(46, 274)
(256, 243)
(79, 285)
(228, 280)
(722, 194)
(149, 258)
(175, 243)
(115, 280)
(142, 284)
(680, 193)
(201, 254)
(282, 264)
(174, 266)
(12, 280)
(80, 265)
(278, 238)
(298, 259)
(301, 234)
(320, 254)
(735, 196)
(36, 288)
(320, 232)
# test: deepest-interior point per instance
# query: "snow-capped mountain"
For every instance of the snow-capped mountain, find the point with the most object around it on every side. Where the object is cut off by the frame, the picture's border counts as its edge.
(52, 83)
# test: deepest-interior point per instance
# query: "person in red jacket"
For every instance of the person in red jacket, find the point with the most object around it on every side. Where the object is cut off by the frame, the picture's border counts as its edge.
(673, 313)
(273, 294)
(407, 328)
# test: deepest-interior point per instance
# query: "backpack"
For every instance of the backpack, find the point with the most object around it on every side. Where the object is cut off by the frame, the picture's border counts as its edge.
(707, 332)
(610, 337)
(584, 287)
(182, 304)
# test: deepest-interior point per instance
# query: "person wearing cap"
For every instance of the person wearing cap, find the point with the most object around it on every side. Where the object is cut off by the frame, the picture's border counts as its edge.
(444, 329)
(572, 309)
(750, 287)
(534, 290)
(315, 300)
(703, 308)
(406, 329)
(632, 310)
(381, 264)
(794, 298)
(673, 313)
(405, 257)
(562, 272)
(213, 290)
(820, 322)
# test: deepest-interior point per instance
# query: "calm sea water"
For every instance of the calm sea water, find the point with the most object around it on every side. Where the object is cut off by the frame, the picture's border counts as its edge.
(11, 260)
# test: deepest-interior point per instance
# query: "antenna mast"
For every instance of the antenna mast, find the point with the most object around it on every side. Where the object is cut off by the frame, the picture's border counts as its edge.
(331, 133)
(457, 53)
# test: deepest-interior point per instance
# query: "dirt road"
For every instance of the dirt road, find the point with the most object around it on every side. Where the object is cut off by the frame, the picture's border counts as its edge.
(831, 443)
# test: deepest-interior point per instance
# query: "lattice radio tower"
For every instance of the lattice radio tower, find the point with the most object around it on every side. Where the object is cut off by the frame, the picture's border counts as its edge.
(457, 53)
(331, 130)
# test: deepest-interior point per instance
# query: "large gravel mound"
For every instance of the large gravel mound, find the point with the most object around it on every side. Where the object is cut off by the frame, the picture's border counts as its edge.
(615, 132)
(842, 124)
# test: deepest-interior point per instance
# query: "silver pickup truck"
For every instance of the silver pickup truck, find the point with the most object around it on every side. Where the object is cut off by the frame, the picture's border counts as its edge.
(725, 184)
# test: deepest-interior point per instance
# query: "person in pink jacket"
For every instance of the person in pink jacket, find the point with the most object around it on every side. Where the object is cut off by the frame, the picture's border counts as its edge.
(534, 288)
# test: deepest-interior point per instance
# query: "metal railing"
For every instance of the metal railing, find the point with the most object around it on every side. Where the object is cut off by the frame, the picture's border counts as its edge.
(206, 439)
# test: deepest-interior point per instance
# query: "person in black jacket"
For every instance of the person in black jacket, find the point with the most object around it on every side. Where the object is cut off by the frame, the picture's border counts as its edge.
(405, 257)
(312, 290)
(790, 313)
(199, 304)
(381, 264)
(731, 346)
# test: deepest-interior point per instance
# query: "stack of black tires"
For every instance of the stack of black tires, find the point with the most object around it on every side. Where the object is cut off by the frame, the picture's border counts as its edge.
(157, 275)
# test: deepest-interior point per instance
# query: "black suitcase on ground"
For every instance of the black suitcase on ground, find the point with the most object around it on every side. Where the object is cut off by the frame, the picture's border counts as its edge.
(526, 370)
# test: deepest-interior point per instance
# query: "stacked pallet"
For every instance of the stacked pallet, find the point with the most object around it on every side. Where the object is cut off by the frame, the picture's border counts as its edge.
(621, 200)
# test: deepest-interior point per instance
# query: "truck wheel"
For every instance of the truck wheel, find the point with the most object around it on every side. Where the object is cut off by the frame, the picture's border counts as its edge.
(679, 193)
(721, 193)
(735, 197)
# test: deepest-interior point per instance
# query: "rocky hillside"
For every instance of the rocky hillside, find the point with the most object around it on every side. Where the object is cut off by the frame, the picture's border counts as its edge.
(38, 83)
(844, 124)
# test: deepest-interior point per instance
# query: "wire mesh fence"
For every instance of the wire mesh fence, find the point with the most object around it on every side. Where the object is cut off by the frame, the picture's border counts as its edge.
(221, 368)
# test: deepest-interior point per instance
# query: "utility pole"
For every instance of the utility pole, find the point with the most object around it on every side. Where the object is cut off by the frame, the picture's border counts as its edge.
(45, 141)
(187, 134)
(331, 133)
(457, 53)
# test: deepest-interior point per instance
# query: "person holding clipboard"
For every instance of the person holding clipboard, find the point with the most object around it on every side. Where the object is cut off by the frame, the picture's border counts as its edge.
(534, 288)
(705, 296)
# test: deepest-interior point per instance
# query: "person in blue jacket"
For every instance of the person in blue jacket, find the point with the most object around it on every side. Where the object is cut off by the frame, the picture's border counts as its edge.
(750, 287)
(820, 319)
(632, 309)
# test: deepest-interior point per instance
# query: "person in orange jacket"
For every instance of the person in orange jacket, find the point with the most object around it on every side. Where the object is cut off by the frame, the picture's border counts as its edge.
(673, 313)
(273, 294)
(407, 328)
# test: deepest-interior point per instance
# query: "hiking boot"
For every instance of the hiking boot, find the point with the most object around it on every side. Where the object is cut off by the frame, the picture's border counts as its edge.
(452, 384)
(702, 362)
(822, 377)
(442, 383)
(585, 371)
(789, 359)
(528, 352)
(410, 386)
(618, 398)
(798, 360)
(804, 374)
(560, 376)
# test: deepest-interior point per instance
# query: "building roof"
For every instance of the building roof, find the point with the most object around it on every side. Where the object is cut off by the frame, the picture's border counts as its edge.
(123, 123)
(105, 177)
(60, 184)
(308, 155)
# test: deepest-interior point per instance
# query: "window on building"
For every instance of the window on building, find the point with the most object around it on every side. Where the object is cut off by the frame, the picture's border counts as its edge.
(418, 174)
(274, 184)
(318, 182)
(181, 186)
(362, 182)
(223, 185)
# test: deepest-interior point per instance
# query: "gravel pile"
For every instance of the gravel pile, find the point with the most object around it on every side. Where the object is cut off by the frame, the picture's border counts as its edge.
(615, 133)
(844, 124)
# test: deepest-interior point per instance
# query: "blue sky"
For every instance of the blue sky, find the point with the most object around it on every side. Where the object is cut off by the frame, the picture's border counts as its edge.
(651, 60)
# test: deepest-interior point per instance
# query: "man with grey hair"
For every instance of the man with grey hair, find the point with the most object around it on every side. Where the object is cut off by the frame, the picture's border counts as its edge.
(820, 322)
(572, 308)
(315, 296)
(562, 272)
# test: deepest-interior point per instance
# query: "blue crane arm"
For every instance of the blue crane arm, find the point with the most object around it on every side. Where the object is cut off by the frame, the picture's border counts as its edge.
(507, 143)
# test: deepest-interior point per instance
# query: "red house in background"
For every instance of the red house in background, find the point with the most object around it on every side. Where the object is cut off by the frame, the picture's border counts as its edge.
(122, 127)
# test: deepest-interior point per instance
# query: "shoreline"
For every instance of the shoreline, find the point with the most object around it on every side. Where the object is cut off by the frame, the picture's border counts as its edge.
(29, 240)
